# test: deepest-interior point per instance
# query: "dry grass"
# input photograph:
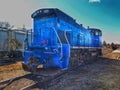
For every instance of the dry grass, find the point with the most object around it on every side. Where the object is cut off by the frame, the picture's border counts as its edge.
(11, 71)
(112, 55)
(107, 53)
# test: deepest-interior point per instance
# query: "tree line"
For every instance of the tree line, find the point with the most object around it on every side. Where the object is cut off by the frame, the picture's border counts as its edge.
(112, 45)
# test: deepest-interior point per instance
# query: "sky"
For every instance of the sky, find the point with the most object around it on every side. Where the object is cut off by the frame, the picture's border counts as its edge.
(101, 14)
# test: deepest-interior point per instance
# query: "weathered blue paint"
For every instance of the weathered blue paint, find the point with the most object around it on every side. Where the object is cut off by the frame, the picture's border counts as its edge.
(55, 33)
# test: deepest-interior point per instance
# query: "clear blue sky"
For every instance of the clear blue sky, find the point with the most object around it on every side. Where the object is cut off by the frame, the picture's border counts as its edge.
(104, 15)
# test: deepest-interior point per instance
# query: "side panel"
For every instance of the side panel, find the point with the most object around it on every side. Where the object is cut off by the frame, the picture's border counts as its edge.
(3, 40)
(20, 37)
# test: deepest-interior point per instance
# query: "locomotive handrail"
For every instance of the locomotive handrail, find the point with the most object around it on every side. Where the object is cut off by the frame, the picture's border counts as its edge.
(67, 40)
(61, 54)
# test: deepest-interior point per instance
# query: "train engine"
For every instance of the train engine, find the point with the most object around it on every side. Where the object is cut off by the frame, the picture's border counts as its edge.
(55, 35)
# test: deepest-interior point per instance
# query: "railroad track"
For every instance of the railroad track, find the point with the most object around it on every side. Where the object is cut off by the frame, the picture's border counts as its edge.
(37, 80)
(50, 82)
(40, 81)
(4, 84)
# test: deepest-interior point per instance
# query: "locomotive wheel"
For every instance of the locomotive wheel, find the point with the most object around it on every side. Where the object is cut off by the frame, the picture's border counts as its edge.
(81, 56)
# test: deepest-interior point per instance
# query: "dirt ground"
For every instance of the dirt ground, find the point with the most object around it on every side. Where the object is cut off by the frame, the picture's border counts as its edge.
(11, 71)
(92, 77)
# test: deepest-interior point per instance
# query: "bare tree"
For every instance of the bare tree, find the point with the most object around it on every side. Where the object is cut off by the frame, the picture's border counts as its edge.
(5, 25)
(114, 46)
(104, 43)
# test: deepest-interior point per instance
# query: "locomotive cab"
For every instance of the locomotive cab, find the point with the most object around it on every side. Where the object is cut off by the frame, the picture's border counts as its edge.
(96, 40)
(96, 37)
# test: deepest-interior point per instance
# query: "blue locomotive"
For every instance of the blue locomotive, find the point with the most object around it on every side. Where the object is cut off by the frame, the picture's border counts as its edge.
(57, 37)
